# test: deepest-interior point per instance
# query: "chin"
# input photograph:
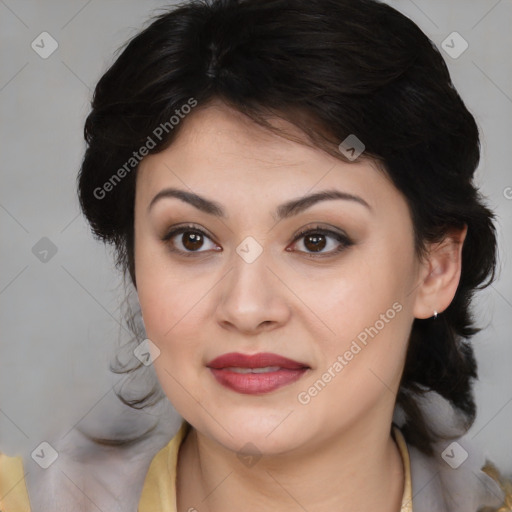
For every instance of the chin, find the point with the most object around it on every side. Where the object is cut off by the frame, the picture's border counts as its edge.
(255, 430)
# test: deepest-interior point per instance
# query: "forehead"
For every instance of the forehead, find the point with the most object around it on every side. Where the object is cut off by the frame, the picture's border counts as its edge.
(219, 151)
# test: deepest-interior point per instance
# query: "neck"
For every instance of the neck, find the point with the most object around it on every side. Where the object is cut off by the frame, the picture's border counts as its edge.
(357, 470)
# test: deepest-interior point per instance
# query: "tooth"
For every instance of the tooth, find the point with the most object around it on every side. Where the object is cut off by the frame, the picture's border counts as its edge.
(255, 370)
(265, 369)
(241, 370)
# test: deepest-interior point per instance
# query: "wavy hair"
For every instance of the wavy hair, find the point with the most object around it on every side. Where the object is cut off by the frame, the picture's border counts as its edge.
(332, 68)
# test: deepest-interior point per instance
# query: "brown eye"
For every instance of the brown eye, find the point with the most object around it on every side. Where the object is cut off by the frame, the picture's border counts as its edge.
(317, 239)
(315, 242)
(189, 241)
(192, 241)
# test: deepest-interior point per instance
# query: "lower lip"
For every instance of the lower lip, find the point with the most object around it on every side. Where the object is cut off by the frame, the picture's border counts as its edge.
(256, 383)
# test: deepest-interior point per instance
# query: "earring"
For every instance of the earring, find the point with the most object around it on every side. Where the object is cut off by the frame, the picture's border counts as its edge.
(435, 314)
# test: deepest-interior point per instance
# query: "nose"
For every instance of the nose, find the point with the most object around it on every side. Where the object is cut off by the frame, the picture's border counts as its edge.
(253, 297)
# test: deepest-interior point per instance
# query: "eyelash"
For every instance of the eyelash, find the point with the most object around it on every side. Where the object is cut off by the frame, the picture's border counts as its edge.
(343, 239)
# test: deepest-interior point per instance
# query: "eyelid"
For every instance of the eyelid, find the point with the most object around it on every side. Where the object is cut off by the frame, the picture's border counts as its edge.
(318, 227)
(180, 228)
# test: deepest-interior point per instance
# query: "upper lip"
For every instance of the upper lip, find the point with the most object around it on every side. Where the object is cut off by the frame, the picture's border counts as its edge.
(260, 360)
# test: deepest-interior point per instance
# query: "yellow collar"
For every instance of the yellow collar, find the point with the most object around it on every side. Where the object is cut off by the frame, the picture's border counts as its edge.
(159, 491)
(404, 452)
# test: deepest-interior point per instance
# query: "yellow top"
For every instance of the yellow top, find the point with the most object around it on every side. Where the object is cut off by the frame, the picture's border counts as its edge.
(159, 491)
(13, 490)
(402, 447)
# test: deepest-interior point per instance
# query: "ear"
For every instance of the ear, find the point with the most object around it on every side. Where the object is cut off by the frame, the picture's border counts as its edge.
(440, 274)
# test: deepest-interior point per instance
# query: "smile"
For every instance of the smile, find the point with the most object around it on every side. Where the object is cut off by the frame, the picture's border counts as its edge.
(255, 373)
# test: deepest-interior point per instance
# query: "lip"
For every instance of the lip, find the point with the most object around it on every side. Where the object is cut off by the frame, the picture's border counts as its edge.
(286, 372)
(260, 360)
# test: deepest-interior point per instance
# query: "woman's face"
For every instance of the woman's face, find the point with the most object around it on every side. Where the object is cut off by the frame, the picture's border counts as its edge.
(242, 279)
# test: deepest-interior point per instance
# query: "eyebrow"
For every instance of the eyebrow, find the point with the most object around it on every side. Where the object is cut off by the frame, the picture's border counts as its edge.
(283, 211)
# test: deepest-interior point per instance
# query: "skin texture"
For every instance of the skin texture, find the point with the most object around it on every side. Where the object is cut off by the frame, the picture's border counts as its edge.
(336, 451)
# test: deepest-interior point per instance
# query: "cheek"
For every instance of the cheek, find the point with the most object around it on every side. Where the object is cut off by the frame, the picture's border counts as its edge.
(174, 301)
(170, 306)
(164, 295)
(360, 365)
(368, 309)
(363, 289)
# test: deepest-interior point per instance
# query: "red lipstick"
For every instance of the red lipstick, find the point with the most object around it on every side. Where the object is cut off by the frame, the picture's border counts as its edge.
(256, 373)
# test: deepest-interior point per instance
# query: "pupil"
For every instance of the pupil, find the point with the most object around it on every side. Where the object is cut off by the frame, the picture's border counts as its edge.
(192, 241)
(318, 242)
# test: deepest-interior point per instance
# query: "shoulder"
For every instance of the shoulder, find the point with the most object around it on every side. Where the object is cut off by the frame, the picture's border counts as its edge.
(10, 463)
(457, 478)
(504, 483)
(159, 485)
(87, 473)
(90, 474)
(13, 489)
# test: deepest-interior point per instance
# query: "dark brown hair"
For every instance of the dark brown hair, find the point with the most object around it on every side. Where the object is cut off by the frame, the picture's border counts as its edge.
(332, 68)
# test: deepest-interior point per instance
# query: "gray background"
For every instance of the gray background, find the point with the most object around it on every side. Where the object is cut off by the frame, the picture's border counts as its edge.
(60, 318)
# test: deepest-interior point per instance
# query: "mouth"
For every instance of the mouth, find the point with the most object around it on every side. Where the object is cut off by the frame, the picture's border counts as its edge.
(257, 373)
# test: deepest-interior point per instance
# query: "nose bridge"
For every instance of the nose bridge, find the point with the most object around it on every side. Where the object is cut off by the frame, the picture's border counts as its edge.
(252, 295)
(250, 259)
(249, 280)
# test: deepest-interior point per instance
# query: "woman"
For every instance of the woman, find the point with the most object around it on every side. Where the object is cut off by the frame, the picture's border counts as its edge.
(289, 187)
